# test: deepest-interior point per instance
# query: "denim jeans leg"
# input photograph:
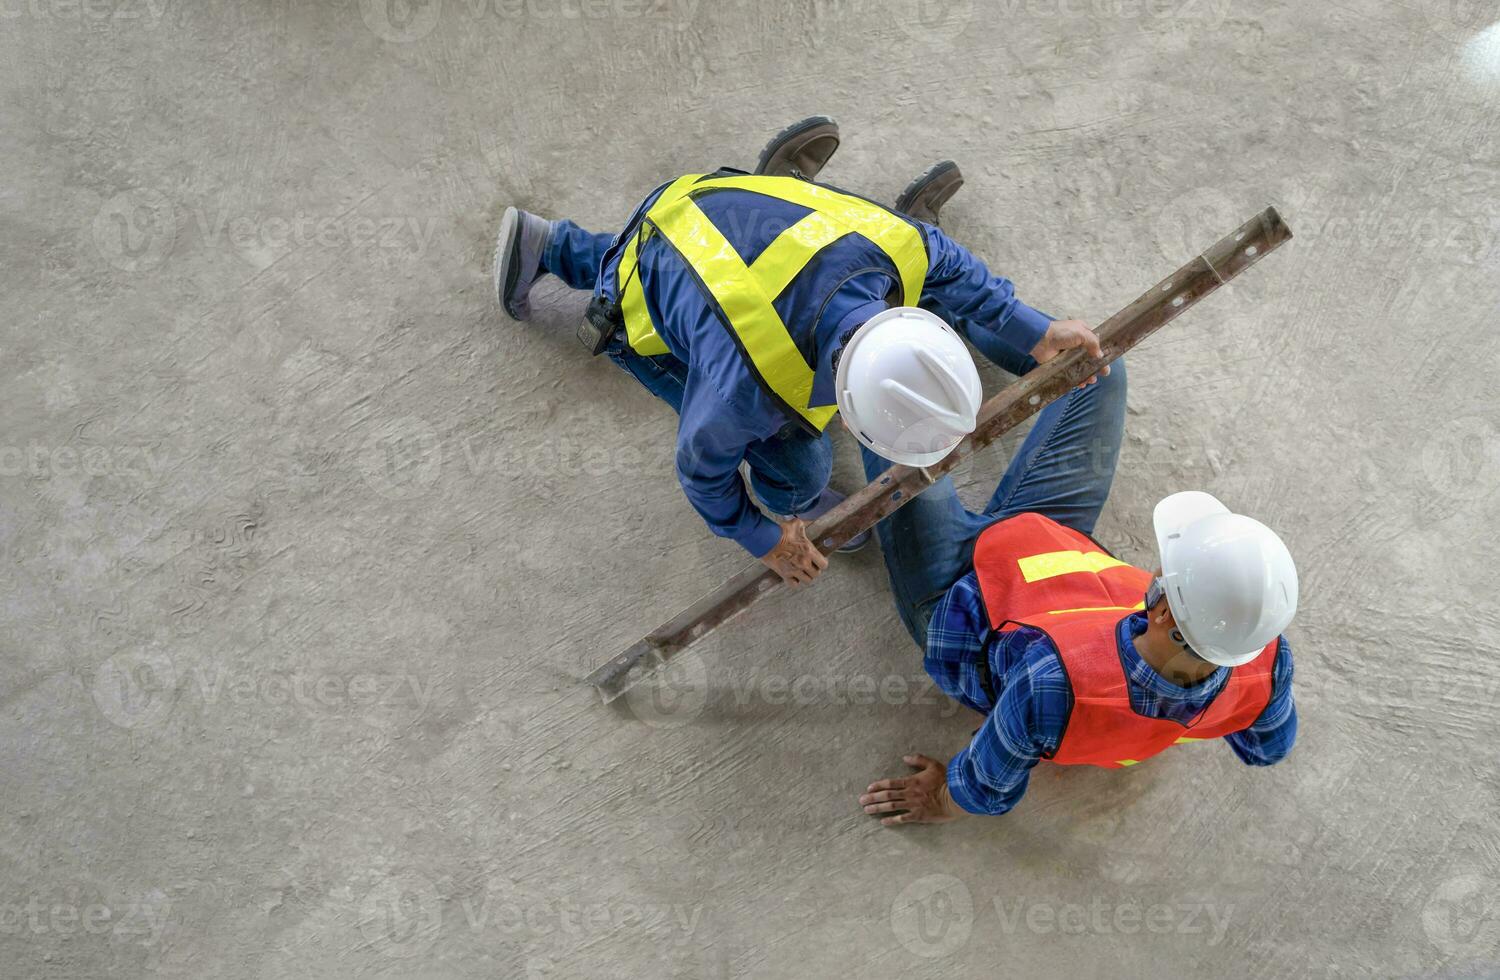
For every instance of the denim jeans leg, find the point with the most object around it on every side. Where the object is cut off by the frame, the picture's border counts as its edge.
(928, 545)
(1065, 467)
(664, 376)
(574, 255)
(789, 472)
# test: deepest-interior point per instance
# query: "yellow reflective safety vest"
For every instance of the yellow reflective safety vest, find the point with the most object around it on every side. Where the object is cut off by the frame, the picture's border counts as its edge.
(742, 295)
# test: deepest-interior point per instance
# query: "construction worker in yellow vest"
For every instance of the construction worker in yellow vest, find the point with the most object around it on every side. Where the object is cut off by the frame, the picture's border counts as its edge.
(731, 297)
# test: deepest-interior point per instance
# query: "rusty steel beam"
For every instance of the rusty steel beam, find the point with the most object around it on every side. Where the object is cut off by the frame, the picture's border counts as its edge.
(1153, 309)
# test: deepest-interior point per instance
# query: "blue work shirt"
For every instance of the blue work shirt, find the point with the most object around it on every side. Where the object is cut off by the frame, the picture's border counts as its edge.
(1028, 711)
(724, 409)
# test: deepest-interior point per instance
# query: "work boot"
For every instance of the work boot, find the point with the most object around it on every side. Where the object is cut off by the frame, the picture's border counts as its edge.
(926, 195)
(802, 147)
(830, 499)
(518, 259)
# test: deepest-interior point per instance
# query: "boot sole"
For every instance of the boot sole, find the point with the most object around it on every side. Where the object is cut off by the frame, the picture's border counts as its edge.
(809, 131)
(508, 260)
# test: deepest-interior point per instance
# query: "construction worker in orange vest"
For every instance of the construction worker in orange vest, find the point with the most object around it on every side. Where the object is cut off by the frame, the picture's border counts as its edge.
(1074, 656)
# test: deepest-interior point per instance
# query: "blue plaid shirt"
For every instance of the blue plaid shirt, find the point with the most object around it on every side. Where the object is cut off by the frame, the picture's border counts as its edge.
(1027, 721)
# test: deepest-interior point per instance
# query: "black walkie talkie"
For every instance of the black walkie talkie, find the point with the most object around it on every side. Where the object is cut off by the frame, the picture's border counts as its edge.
(601, 321)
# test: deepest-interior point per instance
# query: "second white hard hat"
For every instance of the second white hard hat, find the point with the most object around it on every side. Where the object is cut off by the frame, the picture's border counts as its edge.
(907, 386)
(1230, 581)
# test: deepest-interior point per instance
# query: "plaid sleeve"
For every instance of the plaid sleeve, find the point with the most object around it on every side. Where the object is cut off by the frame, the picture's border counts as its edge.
(990, 776)
(1269, 740)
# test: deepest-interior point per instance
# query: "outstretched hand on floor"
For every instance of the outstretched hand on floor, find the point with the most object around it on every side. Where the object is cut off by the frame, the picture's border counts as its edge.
(920, 798)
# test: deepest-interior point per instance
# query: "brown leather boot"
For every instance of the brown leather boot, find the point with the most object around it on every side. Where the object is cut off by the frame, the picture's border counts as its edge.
(926, 195)
(804, 147)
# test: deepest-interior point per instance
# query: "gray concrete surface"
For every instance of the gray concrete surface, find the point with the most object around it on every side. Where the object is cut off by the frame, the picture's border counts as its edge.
(306, 548)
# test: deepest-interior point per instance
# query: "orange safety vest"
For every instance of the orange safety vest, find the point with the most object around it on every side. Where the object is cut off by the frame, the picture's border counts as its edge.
(1035, 572)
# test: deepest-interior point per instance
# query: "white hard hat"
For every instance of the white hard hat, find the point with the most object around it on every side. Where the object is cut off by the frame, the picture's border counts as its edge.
(1230, 581)
(907, 386)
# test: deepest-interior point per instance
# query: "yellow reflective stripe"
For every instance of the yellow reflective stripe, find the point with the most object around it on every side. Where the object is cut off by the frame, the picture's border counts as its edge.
(1034, 568)
(1129, 762)
(900, 240)
(743, 302)
(1064, 612)
(778, 265)
(640, 332)
(1184, 741)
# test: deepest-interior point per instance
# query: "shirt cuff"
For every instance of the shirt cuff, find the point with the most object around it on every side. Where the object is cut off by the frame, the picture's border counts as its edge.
(961, 791)
(1028, 326)
(761, 537)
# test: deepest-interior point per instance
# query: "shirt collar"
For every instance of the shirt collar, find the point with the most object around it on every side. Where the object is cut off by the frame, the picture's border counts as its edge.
(1143, 675)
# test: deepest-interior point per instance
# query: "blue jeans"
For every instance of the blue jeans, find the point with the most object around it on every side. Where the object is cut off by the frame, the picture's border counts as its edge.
(788, 472)
(1063, 470)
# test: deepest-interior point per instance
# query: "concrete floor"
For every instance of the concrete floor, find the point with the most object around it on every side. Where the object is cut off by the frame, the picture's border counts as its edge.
(307, 548)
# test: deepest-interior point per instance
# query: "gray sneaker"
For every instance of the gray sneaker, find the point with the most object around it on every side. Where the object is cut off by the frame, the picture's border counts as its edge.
(925, 196)
(830, 499)
(803, 147)
(518, 259)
